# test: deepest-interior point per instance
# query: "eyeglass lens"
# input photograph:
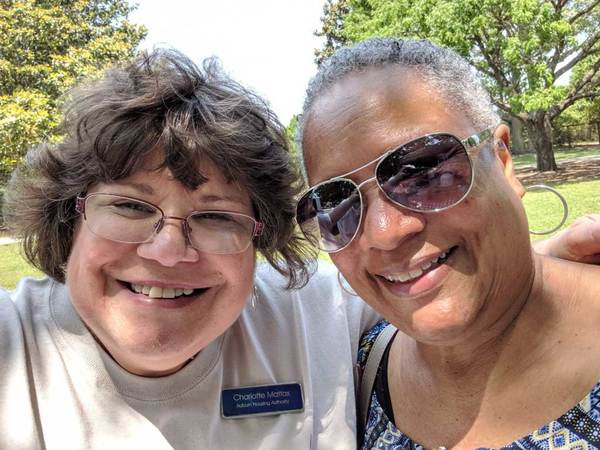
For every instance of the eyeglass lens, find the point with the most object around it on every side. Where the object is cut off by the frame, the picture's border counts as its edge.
(127, 220)
(431, 173)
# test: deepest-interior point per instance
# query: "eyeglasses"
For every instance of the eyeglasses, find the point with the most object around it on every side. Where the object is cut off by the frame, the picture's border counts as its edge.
(429, 174)
(132, 221)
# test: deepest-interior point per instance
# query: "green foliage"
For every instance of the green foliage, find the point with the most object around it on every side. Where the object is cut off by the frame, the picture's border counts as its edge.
(291, 130)
(1, 204)
(46, 47)
(519, 47)
(332, 21)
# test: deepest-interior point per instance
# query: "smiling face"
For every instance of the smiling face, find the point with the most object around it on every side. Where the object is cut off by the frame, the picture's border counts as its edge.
(440, 277)
(147, 334)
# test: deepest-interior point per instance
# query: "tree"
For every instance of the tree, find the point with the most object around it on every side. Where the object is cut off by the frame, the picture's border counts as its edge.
(290, 132)
(521, 48)
(332, 22)
(45, 48)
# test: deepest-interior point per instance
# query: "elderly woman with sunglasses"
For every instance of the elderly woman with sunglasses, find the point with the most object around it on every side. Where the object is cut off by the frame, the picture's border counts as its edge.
(413, 194)
(154, 330)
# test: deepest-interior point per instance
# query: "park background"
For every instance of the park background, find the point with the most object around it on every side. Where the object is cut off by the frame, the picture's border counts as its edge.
(540, 60)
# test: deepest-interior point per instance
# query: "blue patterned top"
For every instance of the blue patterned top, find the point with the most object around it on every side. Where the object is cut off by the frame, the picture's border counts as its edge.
(577, 429)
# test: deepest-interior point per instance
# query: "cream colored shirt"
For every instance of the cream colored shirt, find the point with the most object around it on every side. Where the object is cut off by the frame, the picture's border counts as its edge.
(59, 390)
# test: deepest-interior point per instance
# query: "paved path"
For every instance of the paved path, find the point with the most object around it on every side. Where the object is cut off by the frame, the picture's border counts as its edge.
(562, 161)
(7, 240)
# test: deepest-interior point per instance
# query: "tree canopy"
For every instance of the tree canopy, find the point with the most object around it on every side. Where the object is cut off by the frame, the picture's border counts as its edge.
(45, 48)
(521, 48)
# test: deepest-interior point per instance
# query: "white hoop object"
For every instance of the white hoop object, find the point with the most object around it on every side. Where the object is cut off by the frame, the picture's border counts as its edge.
(341, 283)
(563, 201)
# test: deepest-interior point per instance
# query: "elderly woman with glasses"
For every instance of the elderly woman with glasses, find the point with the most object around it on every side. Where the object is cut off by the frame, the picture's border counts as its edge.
(154, 330)
(413, 194)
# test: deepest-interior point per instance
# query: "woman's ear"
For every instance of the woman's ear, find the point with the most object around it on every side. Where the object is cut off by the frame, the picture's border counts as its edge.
(501, 145)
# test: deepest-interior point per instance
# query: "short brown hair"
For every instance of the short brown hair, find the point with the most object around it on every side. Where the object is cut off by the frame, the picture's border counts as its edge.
(158, 100)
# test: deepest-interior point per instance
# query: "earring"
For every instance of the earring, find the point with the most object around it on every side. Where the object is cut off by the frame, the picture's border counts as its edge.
(563, 201)
(254, 297)
(345, 289)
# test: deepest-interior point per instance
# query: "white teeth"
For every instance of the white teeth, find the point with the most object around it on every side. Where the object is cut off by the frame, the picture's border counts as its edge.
(158, 292)
(155, 292)
(403, 277)
(412, 274)
(415, 273)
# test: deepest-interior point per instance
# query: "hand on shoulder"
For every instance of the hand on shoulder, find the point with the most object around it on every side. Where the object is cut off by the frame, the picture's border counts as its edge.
(579, 242)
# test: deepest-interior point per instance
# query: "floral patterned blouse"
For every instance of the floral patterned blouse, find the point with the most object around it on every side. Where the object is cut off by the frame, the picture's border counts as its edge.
(577, 429)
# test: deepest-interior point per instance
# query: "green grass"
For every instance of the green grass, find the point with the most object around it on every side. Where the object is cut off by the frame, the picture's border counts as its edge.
(544, 210)
(560, 154)
(13, 267)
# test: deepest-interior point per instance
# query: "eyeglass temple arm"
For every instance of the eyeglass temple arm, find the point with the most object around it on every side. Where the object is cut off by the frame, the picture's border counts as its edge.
(477, 139)
(258, 228)
(80, 205)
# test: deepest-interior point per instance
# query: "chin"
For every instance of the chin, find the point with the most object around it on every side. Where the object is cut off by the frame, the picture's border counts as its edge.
(438, 329)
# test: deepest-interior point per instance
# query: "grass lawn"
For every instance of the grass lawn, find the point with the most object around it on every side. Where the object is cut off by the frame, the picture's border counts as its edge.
(544, 209)
(560, 154)
(13, 267)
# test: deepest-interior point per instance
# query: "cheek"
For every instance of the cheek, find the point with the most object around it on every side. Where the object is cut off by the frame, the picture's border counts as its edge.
(349, 262)
(89, 255)
(239, 271)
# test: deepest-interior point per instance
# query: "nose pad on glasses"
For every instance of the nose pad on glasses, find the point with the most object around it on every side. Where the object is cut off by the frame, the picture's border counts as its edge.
(385, 225)
(185, 228)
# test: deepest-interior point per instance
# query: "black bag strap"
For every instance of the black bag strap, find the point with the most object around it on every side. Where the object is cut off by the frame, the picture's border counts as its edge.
(368, 377)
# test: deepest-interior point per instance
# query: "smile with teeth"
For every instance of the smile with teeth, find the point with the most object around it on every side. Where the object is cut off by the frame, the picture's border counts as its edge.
(413, 274)
(159, 292)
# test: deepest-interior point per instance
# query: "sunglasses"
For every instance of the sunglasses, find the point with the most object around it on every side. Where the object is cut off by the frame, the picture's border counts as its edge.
(429, 174)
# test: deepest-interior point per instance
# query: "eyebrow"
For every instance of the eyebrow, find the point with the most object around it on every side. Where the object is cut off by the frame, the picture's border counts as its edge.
(208, 198)
(212, 198)
(141, 187)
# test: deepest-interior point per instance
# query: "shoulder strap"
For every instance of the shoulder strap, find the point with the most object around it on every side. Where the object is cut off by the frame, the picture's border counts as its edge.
(368, 379)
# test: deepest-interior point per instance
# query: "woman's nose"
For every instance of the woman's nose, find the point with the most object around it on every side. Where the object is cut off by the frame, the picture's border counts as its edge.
(385, 224)
(169, 246)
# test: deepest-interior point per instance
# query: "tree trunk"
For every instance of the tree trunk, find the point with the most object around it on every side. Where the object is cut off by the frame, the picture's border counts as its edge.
(516, 137)
(517, 143)
(598, 128)
(539, 130)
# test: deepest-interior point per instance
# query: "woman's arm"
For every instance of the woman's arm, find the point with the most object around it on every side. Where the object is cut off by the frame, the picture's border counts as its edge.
(580, 242)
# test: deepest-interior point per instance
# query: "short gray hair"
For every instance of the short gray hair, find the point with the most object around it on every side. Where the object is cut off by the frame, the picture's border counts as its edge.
(444, 69)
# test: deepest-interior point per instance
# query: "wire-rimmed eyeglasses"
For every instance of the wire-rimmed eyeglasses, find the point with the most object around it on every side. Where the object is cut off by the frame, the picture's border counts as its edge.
(132, 221)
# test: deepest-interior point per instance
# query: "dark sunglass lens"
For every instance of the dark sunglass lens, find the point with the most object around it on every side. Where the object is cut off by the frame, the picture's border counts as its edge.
(330, 213)
(428, 174)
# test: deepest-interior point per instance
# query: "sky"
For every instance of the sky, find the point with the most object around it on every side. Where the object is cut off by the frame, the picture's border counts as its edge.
(266, 45)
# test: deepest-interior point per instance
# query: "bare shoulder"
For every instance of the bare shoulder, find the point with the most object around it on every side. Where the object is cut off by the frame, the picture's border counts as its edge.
(573, 292)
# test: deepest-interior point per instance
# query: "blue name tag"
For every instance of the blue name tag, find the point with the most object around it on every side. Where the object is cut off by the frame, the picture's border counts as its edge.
(261, 400)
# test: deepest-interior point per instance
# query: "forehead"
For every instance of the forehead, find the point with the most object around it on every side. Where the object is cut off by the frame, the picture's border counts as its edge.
(156, 182)
(368, 112)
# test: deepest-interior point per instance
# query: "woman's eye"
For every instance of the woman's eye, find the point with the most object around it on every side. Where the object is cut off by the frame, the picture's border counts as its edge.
(220, 217)
(133, 206)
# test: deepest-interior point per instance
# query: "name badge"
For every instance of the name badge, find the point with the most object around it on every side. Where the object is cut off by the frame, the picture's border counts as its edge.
(261, 400)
